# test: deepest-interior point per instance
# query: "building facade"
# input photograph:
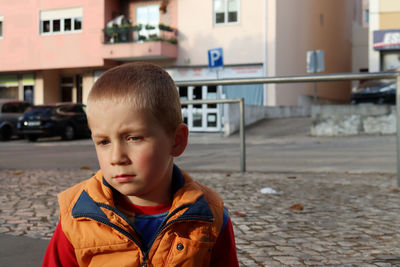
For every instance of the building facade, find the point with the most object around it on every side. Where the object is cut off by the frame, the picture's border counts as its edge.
(384, 35)
(52, 51)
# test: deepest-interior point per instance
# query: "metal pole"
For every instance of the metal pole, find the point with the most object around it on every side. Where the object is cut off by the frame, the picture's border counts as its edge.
(398, 127)
(241, 123)
(295, 79)
(242, 137)
(315, 93)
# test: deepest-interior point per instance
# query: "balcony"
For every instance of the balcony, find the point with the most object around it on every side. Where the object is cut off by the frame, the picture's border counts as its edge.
(140, 42)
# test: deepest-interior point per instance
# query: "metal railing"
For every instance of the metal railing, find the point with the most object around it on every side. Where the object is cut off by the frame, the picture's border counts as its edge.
(139, 33)
(304, 79)
(241, 127)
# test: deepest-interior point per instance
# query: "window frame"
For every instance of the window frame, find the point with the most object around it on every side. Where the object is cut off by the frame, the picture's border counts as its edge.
(67, 19)
(62, 26)
(226, 13)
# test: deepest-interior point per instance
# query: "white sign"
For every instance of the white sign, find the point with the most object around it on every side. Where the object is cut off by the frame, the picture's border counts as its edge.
(315, 61)
(391, 38)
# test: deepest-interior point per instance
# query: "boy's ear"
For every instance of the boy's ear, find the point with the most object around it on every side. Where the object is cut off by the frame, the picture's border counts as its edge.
(180, 140)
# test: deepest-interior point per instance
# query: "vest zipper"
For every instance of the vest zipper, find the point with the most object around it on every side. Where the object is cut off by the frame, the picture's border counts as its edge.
(163, 226)
(114, 226)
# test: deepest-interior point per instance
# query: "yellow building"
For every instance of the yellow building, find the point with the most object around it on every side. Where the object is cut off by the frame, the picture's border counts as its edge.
(384, 35)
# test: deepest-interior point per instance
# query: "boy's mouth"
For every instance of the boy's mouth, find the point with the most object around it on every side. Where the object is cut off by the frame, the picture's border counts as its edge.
(124, 178)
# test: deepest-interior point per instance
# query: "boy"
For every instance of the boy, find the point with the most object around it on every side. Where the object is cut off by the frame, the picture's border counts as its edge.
(140, 209)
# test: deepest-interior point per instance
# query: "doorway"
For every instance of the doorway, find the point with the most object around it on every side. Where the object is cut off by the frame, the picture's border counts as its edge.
(202, 117)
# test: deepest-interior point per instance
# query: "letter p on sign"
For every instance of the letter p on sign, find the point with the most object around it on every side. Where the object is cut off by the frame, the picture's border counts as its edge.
(215, 58)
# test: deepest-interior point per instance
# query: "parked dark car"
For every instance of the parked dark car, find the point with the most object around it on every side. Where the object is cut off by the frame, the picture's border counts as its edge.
(10, 110)
(375, 92)
(67, 120)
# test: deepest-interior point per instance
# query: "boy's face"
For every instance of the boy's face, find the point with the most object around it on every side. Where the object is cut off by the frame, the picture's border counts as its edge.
(135, 153)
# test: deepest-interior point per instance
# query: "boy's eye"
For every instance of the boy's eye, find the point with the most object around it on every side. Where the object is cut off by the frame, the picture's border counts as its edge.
(103, 142)
(135, 138)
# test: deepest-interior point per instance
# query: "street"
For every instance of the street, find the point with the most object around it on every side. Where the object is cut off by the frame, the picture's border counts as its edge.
(271, 146)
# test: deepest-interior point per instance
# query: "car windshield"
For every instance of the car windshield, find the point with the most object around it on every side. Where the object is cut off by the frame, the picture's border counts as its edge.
(39, 111)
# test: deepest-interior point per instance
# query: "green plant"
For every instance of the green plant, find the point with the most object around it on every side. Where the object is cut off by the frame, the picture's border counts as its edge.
(155, 37)
(149, 27)
(172, 41)
(125, 26)
(137, 27)
(163, 27)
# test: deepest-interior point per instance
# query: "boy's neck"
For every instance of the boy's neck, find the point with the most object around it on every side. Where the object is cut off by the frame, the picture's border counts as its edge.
(146, 202)
(155, 201)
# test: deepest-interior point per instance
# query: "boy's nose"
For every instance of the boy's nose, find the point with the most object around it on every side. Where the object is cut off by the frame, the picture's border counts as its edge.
(119, 156)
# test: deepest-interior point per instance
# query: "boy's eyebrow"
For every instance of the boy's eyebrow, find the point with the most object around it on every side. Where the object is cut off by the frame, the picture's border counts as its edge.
(123, 130)
(99, 135)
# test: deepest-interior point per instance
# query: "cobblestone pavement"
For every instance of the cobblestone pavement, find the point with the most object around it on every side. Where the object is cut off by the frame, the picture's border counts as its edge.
(313, 219)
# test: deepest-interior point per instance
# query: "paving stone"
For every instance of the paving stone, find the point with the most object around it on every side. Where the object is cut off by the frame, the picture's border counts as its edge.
(348, 219)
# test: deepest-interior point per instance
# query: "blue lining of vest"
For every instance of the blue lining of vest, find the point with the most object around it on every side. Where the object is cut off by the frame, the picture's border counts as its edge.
(199, 208)
(86, 205)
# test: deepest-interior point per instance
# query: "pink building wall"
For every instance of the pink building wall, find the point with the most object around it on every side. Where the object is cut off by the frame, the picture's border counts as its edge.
(319, 30)
(23, 48)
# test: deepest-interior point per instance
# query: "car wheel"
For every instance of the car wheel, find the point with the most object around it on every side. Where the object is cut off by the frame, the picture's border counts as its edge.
(32, 137)
(69, 132)
(5, 133)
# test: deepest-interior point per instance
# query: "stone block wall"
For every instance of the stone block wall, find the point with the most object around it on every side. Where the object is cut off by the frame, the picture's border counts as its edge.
(341, 120)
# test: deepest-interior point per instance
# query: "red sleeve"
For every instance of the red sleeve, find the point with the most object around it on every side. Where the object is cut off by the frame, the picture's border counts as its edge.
(60, 251)
(224, 251)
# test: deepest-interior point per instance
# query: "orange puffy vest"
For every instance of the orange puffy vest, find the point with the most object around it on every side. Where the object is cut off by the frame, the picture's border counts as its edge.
(102, 236)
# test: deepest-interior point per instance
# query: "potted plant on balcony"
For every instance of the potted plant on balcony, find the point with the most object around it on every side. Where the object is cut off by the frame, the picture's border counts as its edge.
(172, 40)
(111, 33)
(125, 32)
(149, 27)
(137, 28)
(163, 27)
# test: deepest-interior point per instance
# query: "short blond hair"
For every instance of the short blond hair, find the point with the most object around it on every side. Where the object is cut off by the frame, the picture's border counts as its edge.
(146, 87)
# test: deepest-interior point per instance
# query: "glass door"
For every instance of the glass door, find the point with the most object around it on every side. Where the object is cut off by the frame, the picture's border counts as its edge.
(149, 18)
(201, 117)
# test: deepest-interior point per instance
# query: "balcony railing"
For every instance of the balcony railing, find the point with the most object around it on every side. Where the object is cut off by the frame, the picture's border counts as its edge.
(139, 33)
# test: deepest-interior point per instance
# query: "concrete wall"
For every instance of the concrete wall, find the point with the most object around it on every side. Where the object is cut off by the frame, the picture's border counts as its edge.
(341, 120)
(257, 113)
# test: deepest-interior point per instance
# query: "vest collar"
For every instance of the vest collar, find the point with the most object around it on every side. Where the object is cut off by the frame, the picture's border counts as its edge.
(186, 194)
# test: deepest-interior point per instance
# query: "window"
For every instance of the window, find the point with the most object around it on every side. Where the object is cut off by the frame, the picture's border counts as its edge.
(67, 25)
(56, 25)
(226, 11)
(67, 85)
(1, 26)
(46, 26)
(366, 16)
(61, 20)
(149, 17)
(78, 23)
(14, 107)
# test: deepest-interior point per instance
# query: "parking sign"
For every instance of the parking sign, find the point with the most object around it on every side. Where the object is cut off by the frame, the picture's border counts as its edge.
(215, 58)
